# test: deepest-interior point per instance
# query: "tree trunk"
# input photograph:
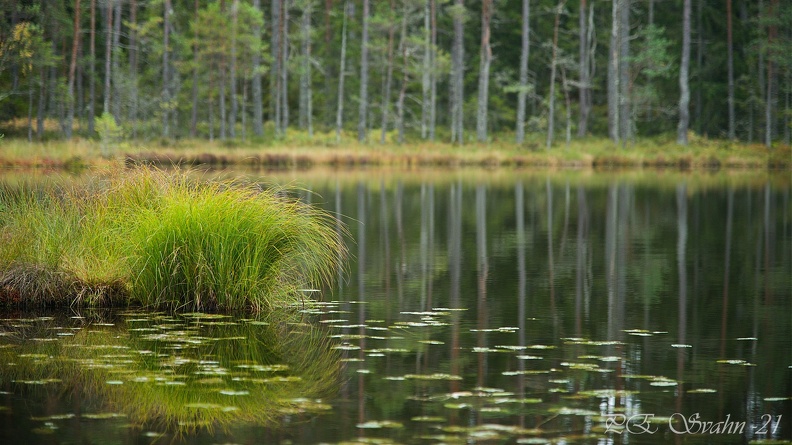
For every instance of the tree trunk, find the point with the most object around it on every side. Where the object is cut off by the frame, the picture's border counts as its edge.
(551, 110)
(275, 110)
(684, 96)
(787, 110)
(484, 71)
(327, 111)
(305, 24)
(568, 106)
(306, 118)
(72, 69)
(166, 70)
(772, 34)
(108, 53)
(625, 118)
(232, 81)
(363, 110)
(585, 82)
(284, 66)
(759, 96)
(523, 91)
(613, 74)
(427, 67)
(386, 95)
(243, 111)
(405, 79)
(730, 68)
(116, 78)
(211, 108)
(458, 74)
(433, 72)
(258, 111)
(42, 103)
(133, 57)
(92, 72)
(699, 63)
(194, 92)
(30, 109)
(342, 74)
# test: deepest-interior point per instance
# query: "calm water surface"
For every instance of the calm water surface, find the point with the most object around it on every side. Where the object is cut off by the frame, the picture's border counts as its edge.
(477, 307)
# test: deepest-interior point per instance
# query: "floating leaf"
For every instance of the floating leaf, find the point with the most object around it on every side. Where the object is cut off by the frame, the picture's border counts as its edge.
(435, 376)
(428, 419)
(374, 424)
(102, 416)
(735, 362)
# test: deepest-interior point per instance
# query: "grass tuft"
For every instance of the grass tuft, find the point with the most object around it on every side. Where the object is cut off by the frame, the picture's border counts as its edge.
(162, 239)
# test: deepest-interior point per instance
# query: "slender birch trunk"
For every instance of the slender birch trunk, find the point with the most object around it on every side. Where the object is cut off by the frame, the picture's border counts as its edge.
(625, 118)
(108, 53)
(342, 74)
(284, 66)
(585, 82)
(166, 70)
(433, 73)
(484, 71)
(116, 77)
(730, 68)
(258, 112)
(386, 95)
(363, 110)
(133, 58)
(405, 80)
(306, 105)
(275, 90)
(232, 81)
(684, 96)
(427, 67)
(524, 53)
(613, 74)
(92, 71)
(551, 110)
(194, 93)
(458, 74)
(72, 69)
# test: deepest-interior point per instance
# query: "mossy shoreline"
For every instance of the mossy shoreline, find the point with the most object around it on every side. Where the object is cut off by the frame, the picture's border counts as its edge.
(160, 239)
(596, 154)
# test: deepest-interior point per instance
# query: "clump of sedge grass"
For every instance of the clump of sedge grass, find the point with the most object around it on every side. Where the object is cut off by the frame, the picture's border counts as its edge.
(163, 240)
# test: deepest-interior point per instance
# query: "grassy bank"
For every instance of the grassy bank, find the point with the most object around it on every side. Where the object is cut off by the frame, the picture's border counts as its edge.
(160, 239)
(298, 151)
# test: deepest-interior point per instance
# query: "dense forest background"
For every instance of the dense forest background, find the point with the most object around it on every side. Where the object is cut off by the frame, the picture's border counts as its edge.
(396, 70)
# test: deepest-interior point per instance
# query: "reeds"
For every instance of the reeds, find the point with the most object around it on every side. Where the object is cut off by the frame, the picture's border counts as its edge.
(162, 239)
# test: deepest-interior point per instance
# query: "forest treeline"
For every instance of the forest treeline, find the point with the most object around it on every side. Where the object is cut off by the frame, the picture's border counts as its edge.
(395, 70)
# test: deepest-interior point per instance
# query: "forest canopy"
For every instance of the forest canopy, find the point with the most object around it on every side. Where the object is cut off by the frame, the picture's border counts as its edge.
(396, 70)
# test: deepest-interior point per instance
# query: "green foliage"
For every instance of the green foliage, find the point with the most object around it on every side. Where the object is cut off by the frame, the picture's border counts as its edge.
(165, 240)
(110, 133)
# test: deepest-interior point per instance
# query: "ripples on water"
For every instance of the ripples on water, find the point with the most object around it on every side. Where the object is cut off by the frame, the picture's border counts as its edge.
(495, 308)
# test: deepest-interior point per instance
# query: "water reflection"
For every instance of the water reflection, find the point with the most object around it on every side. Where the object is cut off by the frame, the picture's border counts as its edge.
(166, 374)
(529, 309)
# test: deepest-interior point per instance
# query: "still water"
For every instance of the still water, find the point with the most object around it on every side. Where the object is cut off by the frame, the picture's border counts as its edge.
(478, 306)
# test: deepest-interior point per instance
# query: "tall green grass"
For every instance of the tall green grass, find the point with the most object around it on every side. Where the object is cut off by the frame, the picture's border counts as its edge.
(161, 239)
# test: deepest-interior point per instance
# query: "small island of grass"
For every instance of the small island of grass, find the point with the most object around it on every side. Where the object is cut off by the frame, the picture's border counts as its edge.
(161, 239)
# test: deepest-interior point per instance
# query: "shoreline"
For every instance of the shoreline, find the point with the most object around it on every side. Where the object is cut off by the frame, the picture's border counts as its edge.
(595, 154)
